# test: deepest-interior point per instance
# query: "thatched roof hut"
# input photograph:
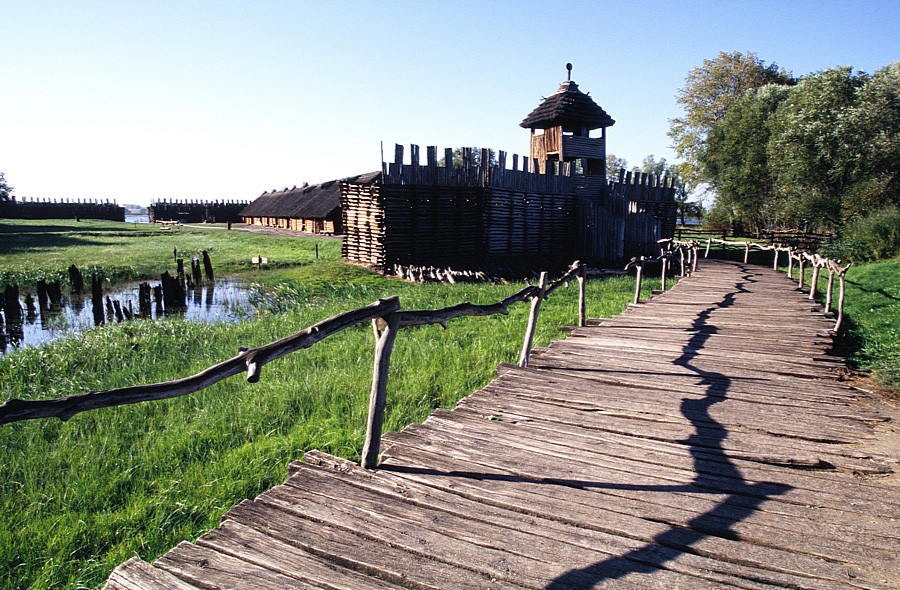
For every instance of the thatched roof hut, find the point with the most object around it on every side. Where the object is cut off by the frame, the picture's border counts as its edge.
(308, 208)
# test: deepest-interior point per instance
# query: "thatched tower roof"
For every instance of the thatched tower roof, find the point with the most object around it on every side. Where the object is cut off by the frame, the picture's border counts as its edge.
(569, 108)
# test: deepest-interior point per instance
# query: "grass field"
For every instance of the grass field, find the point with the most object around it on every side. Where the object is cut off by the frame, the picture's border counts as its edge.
(33, 250)
(82, 496)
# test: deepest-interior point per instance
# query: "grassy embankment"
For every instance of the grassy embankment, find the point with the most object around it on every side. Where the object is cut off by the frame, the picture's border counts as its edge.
(79, 497)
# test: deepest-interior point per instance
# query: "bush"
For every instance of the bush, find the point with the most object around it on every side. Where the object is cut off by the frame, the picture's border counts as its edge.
(873, 237)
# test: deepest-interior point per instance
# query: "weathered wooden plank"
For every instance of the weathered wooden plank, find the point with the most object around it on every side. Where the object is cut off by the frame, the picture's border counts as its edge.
(205, 567)
(585, 510)
(136, 574)
(552, 537)
(250, 545)
(359, 552)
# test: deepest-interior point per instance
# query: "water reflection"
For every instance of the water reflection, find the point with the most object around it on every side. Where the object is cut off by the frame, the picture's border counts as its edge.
(224, 300)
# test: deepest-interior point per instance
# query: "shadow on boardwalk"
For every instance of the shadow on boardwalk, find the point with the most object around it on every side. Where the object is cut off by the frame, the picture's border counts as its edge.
(743, 500)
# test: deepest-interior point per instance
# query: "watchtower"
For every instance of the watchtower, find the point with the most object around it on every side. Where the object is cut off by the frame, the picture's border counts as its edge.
(561, 129)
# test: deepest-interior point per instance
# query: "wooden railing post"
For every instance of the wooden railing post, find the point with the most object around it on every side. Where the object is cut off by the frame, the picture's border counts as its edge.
(637, 282)
(814, 281)
(790, 270)
(829, 291)
(680, 259)
(665, 269)
(775, 261)
(802, 273)
(582, 300)
(378, 396)
(746, 252)
(696, 250)
(532, 321)
(840, 318)
(708, 244)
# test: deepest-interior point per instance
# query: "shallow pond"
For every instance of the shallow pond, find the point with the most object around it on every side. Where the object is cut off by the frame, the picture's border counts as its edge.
(225, 300)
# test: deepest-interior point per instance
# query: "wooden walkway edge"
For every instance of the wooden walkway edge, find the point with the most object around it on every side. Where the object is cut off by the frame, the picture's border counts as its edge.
(699, 440)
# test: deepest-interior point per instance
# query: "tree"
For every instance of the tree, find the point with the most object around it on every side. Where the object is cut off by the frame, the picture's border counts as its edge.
(736, 158)
(708, 92)
(476, 156)
(613, 165)
(5, 189)
(814, 148)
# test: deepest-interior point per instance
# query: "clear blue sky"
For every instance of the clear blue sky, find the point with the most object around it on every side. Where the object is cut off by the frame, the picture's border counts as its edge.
(141, 100)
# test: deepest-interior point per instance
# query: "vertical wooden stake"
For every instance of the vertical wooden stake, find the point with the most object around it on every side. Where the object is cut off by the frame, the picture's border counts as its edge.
(665, 269)
(582, 302)
(840, 318)
(637, 282)
(532, 321)
(814, 282)
(378, 396)
(775, 261)
(746, 252)
(790, 270)
(680, 259)
(802, 273)
(708, 244)
(696, 250)
(829, 291)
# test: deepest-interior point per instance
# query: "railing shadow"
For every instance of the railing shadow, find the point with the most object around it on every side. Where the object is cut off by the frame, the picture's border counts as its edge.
(743, 497)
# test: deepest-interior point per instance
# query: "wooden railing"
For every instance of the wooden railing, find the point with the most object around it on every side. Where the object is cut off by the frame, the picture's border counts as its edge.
(387, 319)
(818, 263)
(685, 251)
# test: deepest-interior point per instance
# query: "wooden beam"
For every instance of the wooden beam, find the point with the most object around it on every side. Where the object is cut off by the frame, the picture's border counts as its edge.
(378, 396)
(532, 321)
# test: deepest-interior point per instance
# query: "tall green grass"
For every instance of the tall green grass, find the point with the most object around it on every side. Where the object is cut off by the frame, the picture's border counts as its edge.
(44, 249)
(872, 307)
(80, 497)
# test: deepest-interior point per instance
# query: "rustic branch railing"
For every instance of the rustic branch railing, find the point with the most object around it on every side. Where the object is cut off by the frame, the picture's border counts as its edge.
(687, 253)
(386, 318)
(817, 261)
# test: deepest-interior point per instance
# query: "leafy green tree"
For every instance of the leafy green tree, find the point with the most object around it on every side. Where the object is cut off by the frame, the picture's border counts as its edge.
(613, 165)
(5, 189)
(873, 124)
(476, 156)
(708, 92)
(819, 156)
(736, 158)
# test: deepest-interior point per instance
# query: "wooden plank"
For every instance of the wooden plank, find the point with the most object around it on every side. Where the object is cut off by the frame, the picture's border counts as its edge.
(253, 546)
(207, 568)
(136, 574)
(358, 552)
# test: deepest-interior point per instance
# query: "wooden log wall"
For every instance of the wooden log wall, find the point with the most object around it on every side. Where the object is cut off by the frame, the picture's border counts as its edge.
(526, 177)
(456, 227)
(472, 215)
(25, 208)
(651, 210)
(196, 211)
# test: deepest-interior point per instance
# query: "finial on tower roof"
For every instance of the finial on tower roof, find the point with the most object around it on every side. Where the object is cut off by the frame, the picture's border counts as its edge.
(569, 68)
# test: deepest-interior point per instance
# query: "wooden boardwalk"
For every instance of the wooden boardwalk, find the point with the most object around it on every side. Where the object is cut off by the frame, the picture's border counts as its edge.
(699, 440)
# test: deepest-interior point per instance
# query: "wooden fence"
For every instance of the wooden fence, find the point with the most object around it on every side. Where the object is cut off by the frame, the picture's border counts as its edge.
(386, 317)
(196, 211)
(478, 216)
(25, 208)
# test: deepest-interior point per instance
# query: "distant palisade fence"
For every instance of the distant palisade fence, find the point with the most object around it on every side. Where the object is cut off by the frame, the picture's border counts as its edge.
(66, 208)
(195, 210)
(816, 261)
(386, 318)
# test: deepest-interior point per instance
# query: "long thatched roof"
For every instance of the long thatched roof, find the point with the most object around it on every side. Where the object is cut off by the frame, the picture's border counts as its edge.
(317, 201)
(570, 108)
